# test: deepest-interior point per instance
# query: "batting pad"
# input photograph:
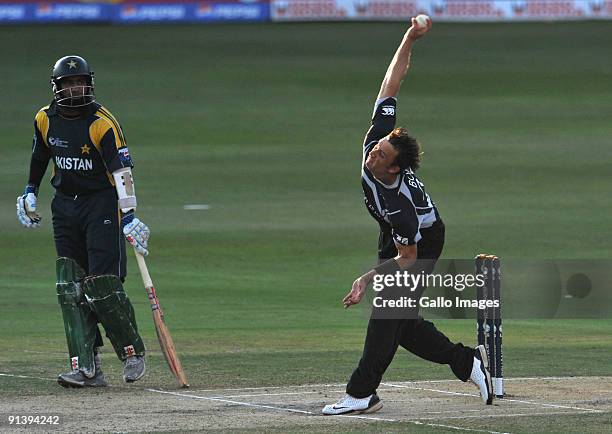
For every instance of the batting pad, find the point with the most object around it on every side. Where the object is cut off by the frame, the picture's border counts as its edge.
(116, 313)
(80, 322)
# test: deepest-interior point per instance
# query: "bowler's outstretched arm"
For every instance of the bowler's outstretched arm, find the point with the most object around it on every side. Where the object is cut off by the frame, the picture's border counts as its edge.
(401, 61)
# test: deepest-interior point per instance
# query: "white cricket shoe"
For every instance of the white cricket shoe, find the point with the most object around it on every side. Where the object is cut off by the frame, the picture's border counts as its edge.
(480, 375)
(351, 405)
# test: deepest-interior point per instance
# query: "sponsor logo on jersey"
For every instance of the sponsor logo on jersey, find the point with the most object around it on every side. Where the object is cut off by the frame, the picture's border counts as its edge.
(73, 163)
(55, 141)
(388, 110)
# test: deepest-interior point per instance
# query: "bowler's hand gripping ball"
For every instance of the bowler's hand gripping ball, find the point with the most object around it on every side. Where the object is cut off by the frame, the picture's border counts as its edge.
(423, 20)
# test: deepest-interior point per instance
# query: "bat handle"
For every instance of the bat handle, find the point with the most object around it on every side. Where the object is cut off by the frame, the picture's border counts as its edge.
(144, 271)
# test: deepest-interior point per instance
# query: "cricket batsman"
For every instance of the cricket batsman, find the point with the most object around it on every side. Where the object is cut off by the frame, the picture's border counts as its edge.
(92, 212)
(411, 239)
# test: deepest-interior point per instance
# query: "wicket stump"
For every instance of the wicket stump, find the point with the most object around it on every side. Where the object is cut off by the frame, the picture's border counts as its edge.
(489, 321)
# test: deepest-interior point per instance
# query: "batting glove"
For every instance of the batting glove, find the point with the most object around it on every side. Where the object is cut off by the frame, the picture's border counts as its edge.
(26, 208)
(136, 233)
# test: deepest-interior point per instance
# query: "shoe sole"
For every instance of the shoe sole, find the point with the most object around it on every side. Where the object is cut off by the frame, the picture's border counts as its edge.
(105, 384)
(372, 409)
(484, 359)
(69, 385)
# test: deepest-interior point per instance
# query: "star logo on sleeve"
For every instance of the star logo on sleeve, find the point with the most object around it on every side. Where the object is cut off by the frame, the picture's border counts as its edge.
(72, 64)
(85, 149)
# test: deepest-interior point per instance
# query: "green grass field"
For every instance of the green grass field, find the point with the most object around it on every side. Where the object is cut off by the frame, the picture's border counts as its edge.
(264, 123)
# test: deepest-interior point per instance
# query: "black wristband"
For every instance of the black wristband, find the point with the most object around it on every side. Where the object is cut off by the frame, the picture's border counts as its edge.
(388, 267)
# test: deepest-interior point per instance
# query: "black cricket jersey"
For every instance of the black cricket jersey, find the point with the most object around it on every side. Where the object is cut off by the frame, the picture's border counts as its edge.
(85, 151)
(404, 208)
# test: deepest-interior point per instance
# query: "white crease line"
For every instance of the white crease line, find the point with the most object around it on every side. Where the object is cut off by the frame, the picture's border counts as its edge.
(237, 389)
(211, 390)
(569, 377)
(27, 376)
(455, 427)
(229, 401)
(448, 392)
(293, 410)
(269, 407)
(459, 410)
(501, 399)
(491, 416)
(569, 407)
(417, 422)
(278, 394)
(454, 380)
(355, 416)
(395, 382)
(312, 392)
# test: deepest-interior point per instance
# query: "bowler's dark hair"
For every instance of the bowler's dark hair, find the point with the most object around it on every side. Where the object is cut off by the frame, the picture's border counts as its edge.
(409, 149)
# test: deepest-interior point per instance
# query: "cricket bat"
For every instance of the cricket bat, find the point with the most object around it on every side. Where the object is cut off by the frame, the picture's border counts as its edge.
(163, 335)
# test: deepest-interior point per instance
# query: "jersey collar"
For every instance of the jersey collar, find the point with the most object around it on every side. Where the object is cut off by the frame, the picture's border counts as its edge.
(90, 109)
(389, 186)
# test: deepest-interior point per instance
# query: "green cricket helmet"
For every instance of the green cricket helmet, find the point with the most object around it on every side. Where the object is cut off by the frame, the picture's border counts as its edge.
(72, 96)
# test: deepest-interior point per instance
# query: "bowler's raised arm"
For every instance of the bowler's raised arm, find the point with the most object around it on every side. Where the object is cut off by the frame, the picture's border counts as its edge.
(401, 61)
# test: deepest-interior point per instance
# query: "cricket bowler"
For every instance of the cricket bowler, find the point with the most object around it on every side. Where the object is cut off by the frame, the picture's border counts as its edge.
(411, 234)
(92, 212)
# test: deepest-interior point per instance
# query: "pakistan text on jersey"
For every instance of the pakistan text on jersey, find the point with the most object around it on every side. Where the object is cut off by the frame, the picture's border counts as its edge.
(72, 163)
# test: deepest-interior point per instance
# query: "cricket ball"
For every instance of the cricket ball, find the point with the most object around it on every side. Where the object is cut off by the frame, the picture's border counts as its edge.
(422, 20)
